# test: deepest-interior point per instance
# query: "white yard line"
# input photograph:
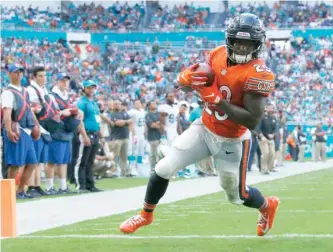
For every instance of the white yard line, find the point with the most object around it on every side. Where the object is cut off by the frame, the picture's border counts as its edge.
(281, 236)
(50, 213)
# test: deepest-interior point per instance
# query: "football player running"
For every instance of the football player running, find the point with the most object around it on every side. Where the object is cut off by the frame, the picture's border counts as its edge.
(234, 104)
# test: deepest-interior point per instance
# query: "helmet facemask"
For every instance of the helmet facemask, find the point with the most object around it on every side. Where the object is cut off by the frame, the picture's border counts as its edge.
(242, 51)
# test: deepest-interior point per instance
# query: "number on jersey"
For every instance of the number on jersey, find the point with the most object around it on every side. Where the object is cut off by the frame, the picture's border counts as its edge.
(261, 68)
(141, 122)
(171, 118)
(225, 90)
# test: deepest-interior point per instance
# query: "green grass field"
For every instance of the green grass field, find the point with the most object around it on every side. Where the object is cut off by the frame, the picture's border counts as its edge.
(207, 224)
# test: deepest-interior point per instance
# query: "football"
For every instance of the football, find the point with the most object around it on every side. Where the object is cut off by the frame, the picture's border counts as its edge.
(204, 67)
(35, 132)
(74, 109)
(16, 128)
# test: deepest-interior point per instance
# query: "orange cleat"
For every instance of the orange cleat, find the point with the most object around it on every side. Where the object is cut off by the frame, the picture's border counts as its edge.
(132, 224)
(266, 216)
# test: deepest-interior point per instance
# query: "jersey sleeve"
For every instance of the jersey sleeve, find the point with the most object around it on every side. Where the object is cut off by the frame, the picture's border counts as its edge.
(260, 80)
(131, 113)
(163, 109)
(32, 95)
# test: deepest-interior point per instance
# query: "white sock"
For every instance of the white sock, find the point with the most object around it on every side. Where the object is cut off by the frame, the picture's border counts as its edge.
(49, 184)
(62, 184)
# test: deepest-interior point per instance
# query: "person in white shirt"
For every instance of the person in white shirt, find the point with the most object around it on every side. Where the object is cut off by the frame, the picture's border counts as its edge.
(138, 135)
(20, 126)
(53, 118)
(168, 113)
(42, 144)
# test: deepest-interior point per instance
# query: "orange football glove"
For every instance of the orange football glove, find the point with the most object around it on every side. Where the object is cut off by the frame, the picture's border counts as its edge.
(189, 76)
(209, 94)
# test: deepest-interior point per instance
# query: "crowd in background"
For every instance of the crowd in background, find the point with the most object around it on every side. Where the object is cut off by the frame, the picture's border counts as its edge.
(133, 16)
(179, 17)
(287, 13)
(304, 83)
(303, 78)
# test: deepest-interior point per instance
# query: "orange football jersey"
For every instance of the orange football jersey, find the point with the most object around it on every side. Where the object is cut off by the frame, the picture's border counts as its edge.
(233, 82)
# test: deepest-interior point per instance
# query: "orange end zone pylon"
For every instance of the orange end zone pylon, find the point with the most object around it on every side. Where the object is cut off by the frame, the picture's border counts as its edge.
(8, 208)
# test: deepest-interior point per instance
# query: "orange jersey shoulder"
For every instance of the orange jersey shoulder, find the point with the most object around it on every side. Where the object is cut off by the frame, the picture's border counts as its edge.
(260, 79)
(215, 54)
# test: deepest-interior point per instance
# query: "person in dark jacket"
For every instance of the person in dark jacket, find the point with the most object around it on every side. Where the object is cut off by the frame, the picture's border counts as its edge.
(266, 135)
(153, 133)
(301, 141)
(255, 149)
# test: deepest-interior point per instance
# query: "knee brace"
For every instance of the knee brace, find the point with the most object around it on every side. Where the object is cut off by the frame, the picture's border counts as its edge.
(229, 182)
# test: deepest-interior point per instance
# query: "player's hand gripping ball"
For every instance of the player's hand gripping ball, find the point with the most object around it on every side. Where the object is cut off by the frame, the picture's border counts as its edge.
(197, 75)
(209, 74)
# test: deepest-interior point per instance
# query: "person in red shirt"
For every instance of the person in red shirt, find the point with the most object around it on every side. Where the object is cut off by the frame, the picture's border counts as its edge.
(234, 105)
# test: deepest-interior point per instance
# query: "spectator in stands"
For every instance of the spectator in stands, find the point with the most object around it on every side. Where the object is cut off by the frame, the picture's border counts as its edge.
(120, 135)
(321, 138)
(19, 122)
(87, 153)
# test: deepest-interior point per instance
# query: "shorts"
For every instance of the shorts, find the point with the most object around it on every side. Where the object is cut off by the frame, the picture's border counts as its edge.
(60, 152)
(21, 153)
(42, 150)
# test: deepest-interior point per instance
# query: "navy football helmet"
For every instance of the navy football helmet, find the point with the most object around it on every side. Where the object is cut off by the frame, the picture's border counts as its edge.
(246, 37)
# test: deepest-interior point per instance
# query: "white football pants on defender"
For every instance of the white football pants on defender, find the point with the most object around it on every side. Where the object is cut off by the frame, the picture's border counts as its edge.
(230, 156)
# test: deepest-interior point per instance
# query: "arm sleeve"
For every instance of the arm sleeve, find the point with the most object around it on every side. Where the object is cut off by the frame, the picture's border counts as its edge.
(131, 113)
(192, 116)
(7, 99)
(262, 82)
(81, 106)
(32, 95)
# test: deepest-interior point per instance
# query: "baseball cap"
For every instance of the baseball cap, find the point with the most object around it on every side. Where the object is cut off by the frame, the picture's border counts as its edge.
(88, 83)
(12, 68)
(61, 76)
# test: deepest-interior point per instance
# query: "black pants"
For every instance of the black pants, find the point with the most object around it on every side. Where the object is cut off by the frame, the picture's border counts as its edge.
(293, 152)
(85, 160)
(75, 155)
(254, 149)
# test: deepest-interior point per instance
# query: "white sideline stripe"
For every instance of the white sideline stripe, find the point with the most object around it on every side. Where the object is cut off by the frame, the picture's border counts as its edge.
(249, 212)
(54, 212)
(108, 236)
